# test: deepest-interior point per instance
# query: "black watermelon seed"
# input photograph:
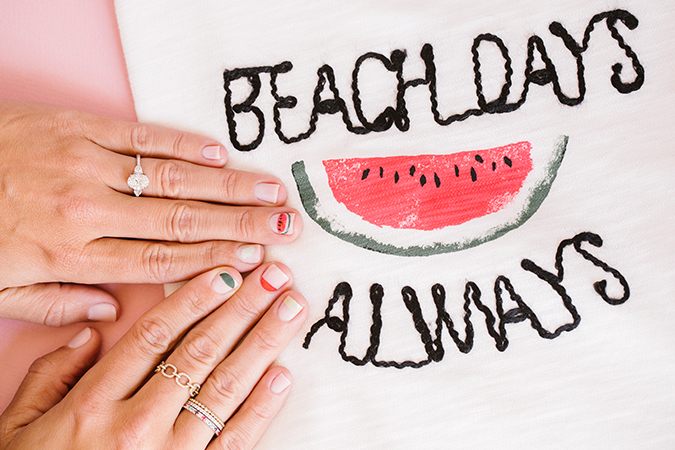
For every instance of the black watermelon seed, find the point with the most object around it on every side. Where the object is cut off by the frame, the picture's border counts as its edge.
(381, 172)
(412, 170)
(456, 171)
(365, 174)
(437, 180)
(473, 175)
(508, 161)
(396, 177)
(479, 159)
(423, 180)
(494, 166)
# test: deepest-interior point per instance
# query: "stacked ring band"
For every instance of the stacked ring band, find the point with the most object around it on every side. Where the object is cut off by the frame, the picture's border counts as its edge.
(205, 415)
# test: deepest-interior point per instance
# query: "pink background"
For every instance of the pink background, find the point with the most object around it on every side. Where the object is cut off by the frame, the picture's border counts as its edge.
(65, 52)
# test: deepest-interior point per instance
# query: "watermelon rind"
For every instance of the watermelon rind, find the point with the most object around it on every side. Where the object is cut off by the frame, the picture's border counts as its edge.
(530, 205)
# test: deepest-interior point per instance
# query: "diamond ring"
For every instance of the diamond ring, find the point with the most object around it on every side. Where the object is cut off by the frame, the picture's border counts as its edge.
(137, 180)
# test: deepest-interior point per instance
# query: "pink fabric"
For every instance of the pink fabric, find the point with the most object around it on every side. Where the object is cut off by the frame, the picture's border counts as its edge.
(69, 53)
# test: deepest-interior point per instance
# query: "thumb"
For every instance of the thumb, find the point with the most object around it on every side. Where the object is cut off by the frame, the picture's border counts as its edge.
(56, 304)
(48, 380)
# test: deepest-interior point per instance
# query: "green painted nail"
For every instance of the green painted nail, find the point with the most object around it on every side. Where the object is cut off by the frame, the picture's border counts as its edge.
(229, 281)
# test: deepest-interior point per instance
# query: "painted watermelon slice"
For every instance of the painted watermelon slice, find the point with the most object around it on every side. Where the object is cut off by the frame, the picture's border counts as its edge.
(427, 192)
(429, 204)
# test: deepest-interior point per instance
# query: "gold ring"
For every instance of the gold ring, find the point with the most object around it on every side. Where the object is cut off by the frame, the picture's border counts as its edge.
(181, 378)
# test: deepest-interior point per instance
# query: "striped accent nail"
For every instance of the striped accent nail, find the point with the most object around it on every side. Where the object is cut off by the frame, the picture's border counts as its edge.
(273, 278)
(288, 309)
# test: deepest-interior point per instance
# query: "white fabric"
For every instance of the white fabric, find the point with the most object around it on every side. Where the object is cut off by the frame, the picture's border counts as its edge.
(606, 383)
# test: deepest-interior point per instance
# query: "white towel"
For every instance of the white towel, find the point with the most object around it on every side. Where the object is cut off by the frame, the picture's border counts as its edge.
(489, 260)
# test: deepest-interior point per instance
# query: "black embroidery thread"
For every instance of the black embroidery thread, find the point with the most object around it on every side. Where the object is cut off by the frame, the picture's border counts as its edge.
(398, 115)
(495, 322)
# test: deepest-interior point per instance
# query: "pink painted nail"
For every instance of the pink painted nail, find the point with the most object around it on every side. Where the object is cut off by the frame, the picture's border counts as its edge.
(102, 312)
(267, 192)
(211, 152)
(81, 338)
(250, 254)
(282, 223)
(273, 278)
(288, 309)
(279, 384)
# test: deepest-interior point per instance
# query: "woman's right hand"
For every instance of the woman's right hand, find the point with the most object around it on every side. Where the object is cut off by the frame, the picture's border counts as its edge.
(68, 216)
(119, 403)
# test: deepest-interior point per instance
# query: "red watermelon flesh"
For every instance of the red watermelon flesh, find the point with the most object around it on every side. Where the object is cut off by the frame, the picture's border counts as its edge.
(427, 192)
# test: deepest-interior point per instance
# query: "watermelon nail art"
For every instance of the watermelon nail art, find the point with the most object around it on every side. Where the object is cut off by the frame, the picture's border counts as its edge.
(282, 223)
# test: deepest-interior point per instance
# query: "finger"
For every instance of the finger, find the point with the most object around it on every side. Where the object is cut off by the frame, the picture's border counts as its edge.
(215, 337)
(233, 380)
(131, 138)
(48, 380)
(244, 429)
(190, 221)
(183, 180)
(132, 261)
(56, 304)
(157, 331)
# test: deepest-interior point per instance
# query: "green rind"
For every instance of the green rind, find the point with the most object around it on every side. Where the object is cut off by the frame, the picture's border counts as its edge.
(536, 197)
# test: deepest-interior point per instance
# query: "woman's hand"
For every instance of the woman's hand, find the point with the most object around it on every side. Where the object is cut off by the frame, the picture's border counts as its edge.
(68, 215)
(116, 405)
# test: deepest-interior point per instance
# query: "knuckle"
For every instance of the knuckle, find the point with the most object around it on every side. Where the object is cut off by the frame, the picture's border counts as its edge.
(140, 137)
(42, 366)
(261, 412)
(231, 180)
(264, 339)
(171, 176)
(179, 141)
(245, 308)
(67, 122)
(159, 260)
(245, 226)
(181, 222)
(233, 439)
(227, 386)
(201, 348)
(56, 314)
(152, 335)
(75, 206)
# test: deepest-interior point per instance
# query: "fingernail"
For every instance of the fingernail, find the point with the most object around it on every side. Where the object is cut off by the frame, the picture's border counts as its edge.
(224, 283)
(211, 152)
(288, 309)
(81, 338)
(102, 312)
(266, 192)
(250, 254)
(273, 278)
(279, 383)
(282, 223)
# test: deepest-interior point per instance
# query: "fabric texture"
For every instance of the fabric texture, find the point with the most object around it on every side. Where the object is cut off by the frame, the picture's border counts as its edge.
(488, 203)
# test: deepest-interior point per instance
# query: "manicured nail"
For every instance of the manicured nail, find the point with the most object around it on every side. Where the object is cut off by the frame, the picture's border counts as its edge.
(102, 312)
(282, 223)
(288, 309)
(266, 192)
(250, 254)
(211, 152)
(279, 383)
(224, 283)
(81, 338)
(273, 278)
